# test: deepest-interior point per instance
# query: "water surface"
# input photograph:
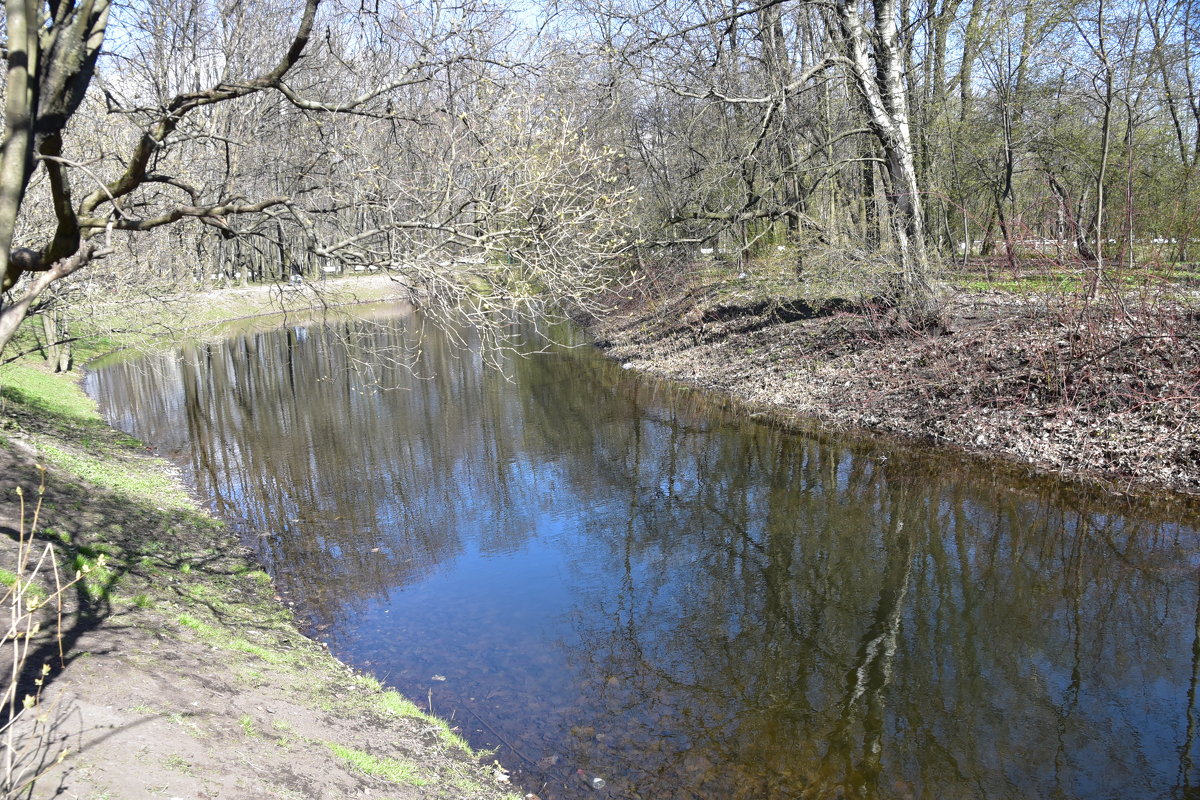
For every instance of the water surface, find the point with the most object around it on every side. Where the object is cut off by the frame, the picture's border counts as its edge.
(588, 570)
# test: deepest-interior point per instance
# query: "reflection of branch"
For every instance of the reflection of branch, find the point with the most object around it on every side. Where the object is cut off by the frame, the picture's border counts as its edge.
(496, 733)
(1185, 752)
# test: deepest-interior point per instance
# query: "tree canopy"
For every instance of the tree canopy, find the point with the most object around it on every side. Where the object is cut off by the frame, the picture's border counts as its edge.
(547, 150)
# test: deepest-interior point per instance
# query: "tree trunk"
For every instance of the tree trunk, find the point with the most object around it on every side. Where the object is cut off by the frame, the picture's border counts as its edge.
(876, 64)
(58, 345)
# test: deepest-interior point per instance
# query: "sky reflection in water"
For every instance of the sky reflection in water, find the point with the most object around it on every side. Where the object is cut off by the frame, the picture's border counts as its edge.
(613, 574)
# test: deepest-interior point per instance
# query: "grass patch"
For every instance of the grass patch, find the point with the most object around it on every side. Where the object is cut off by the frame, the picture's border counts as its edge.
(233, 608)
(386, 767)
(98, 579)
(31, 590)
(178, 763)
(390, 703)
(256, 575)
(227, 641)
(250, 677)
(134, 481)
(86, 446)
(1028, 285)
(46, 393)
(286, 736)
(246, 722)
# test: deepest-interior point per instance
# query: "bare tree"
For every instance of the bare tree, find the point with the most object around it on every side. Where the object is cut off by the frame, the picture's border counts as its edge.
(874, 55)
(404, 140)
(53, 49)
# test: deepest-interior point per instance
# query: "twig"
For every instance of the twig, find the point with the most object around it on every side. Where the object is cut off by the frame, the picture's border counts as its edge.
(496, 733)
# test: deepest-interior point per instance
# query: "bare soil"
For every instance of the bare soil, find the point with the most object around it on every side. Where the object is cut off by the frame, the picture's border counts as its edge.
(1103, 390)
(194, 682)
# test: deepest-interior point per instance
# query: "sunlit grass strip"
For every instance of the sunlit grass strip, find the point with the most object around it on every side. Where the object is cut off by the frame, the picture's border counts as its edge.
(221, 638)
(390, 702)
(109, 473)
(386, 767)
(59, 400)
(46, 392)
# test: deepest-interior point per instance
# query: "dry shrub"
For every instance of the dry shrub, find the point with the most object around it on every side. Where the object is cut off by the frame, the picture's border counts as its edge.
(34, 599)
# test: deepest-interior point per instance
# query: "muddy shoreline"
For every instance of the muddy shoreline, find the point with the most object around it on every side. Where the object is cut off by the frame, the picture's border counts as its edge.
(974, 387)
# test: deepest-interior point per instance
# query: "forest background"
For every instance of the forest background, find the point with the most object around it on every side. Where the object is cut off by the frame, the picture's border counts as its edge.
(862, 148)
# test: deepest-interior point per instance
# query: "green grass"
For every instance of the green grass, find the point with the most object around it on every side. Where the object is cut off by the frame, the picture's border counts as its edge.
(95, 453)
(46, 392)
(31, 590)
(388, 702)
(256, 575)
(286, 737)
(93, 347)
(178, 763)
(386, 767)
(1063, 284)
(222, 638)
(1057, 281)
(89, 345)
(98, 579)
(246, 722)
(392, 702)
(215, 595)
(133, 480)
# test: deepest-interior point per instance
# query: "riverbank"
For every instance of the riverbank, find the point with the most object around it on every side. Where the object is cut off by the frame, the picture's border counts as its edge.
(1104, 391)
(183, 673)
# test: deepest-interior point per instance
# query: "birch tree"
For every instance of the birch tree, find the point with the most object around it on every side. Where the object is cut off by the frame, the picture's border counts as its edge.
(873, 53)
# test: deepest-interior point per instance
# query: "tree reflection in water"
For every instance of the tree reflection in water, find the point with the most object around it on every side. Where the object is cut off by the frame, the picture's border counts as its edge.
(617, 575)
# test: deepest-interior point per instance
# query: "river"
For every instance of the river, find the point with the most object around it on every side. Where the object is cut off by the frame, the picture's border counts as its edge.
(590, 570)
